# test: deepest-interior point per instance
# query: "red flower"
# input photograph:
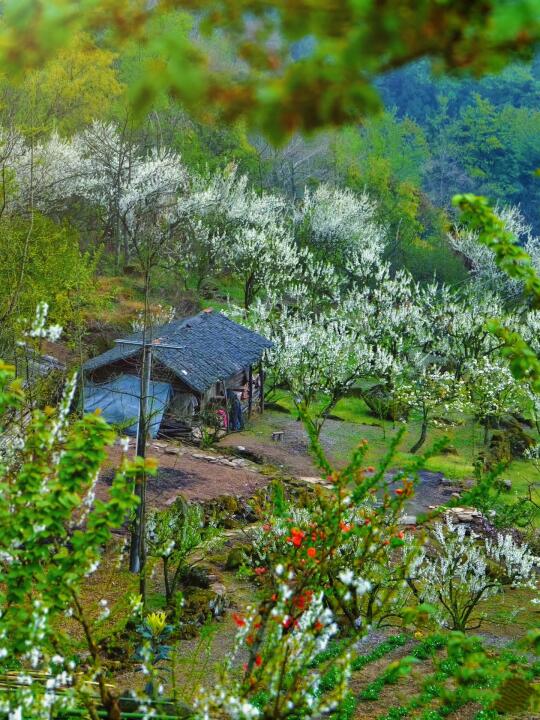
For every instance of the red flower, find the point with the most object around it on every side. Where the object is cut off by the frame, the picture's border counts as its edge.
(287, 622)
(297, 537)
(260, 570)
(311, 552)
(238, 619)
(401, 534)
(399, 491)
(345, 526)
(258, 660)
(301, 601)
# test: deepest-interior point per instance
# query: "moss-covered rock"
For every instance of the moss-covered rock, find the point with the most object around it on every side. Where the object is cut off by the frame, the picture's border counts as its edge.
(499, 448)
(383, 405)
(196, 576)
(231, 512)
(509, 442)
(201, 604)
(449, 450)
(519, 440)
(236, 557)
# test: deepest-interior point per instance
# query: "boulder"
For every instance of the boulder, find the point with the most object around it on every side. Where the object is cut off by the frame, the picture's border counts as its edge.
(507, 443)
(383, 405)
(499, 450)
(235, 558)
(201, 604)
(463, 514)
(449, 450)
(196, 576)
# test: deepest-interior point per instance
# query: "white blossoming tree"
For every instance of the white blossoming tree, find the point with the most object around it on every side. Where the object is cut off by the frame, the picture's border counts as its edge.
(457, 321)
(262, 258)
(427, 389)
(484, 270)
(47, 174)
(492, 391)
(213, 215)
(338, 224)
(462, 570)
(318, 359)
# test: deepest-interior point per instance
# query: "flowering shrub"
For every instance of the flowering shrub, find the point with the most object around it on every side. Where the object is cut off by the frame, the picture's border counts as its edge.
(52, 532)
(172, 534)
(462, 571)
(380, 593)
(278, 679)
(322, 570)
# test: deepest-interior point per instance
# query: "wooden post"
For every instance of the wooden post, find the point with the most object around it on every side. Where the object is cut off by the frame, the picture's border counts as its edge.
(261, 385)
(250, 390)
(137, 554)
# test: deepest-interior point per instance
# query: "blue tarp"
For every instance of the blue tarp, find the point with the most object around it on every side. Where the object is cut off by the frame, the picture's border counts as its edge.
(119, 401)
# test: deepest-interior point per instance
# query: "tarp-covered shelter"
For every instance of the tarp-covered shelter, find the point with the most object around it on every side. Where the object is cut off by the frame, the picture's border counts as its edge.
(196, 364)
(119, 399)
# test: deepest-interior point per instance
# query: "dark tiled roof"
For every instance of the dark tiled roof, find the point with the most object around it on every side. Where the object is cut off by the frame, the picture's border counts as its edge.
(210, 348)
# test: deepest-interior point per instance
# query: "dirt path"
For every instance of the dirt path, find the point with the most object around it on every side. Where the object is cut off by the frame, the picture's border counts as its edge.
(196, 474)
(292, 452)
(206, 474)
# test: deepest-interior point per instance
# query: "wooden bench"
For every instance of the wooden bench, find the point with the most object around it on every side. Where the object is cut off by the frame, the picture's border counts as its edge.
(277, 436)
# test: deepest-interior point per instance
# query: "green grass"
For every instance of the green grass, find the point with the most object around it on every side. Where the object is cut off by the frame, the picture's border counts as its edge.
(228, 292)
(465, 436)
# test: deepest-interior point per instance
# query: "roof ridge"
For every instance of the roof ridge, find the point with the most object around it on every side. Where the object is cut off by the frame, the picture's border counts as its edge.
(158, 329)
(208, 349)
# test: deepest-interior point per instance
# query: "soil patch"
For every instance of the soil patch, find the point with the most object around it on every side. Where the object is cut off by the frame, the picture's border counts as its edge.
(197, 478)
(291, 452)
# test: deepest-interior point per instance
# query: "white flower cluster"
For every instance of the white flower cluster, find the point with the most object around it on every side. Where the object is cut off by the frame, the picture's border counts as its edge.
(39, 328)
(159, 315)
(286, 667)
(481, 259)
(463, 570)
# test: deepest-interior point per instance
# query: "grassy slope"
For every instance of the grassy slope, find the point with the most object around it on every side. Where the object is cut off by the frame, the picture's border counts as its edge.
(465, 438)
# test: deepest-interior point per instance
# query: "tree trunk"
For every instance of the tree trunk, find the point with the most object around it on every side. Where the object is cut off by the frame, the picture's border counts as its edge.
(422, 439)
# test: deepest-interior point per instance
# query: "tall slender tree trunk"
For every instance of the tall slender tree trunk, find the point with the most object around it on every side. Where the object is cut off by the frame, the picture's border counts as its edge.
(423, 432)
